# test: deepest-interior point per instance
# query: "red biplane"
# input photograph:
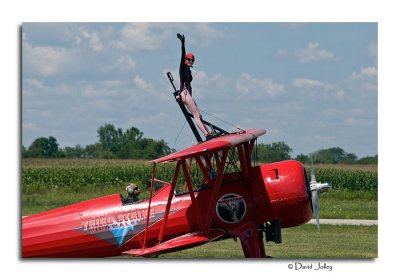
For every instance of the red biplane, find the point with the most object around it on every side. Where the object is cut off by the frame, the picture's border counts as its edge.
(223, 196)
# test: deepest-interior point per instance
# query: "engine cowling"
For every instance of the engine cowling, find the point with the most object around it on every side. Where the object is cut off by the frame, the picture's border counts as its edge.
(281, 193)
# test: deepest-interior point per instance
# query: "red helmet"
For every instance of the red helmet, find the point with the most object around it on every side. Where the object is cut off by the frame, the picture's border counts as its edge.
(190, 55)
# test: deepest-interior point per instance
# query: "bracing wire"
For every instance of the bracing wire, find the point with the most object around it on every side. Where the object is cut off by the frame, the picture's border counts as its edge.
(232, 125)
(177, 136)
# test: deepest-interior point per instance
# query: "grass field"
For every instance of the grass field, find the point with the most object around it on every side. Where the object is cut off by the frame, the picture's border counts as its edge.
(304, 242)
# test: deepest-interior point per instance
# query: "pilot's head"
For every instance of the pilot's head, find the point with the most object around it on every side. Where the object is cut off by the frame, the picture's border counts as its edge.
(132, 190)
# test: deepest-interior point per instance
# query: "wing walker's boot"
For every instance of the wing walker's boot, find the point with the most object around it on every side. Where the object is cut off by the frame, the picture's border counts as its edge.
(213, 135)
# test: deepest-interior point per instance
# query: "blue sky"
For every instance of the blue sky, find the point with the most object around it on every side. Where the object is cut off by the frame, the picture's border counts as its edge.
(311, 85)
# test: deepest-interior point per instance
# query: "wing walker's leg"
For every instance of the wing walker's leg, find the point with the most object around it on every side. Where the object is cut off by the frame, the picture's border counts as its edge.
(168, 206)
(183, 109)
(189, 116)
(190, 122)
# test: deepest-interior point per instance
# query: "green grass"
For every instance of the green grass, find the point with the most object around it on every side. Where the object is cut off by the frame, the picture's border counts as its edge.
(348, 205)
(304, 242)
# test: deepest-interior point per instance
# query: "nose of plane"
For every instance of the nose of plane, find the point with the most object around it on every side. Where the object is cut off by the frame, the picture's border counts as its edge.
(286, 188)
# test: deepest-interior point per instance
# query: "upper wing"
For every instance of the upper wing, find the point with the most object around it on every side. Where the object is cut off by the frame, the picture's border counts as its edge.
(213, 145)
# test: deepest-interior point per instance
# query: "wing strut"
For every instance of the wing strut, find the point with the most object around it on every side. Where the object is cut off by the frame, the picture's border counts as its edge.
(204, 226)
(148, 209)
(192, 196)
(171, 192)
(214, 196)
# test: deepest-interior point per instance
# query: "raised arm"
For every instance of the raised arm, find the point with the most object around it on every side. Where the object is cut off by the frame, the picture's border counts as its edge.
(182, 38)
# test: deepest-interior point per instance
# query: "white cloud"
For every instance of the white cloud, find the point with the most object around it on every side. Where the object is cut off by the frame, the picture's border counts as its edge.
(340, 93)
(145, 91)
(206, 29)
(140, 83)
(122, 63)
(152, 36)
(312, 53)
(256, 88)
(366, 79)
(365, 73)
(102, 89)
(321, 87)
(93, 38)
(142, 36)
(204, 34)
(307, 83)
(46, 61)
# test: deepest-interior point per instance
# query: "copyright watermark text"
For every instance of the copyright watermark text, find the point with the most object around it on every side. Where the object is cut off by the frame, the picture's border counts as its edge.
(310, 266)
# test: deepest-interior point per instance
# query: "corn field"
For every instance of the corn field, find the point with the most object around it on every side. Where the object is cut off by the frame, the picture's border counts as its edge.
(40, 176)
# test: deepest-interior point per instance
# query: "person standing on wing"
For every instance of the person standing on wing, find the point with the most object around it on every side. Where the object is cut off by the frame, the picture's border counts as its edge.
(185, 95)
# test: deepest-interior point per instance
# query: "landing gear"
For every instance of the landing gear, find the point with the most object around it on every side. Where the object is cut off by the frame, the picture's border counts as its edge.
(273, 231)
(252, 241)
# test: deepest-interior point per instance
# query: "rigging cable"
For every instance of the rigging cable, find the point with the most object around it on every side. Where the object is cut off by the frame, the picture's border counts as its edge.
(176, 139)
(235, 126)
(221, 120)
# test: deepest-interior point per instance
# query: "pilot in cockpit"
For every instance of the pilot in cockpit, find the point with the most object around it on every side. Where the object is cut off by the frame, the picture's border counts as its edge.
(133, 192)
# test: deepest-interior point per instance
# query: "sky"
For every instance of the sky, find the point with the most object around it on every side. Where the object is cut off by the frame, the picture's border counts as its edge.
(310, 85)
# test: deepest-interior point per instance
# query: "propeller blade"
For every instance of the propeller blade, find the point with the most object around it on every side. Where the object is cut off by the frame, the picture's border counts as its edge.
(313, 178)
(314, 198)
(315, 189)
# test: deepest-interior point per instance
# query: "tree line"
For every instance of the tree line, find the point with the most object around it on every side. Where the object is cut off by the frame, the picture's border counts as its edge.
(114, 143)
(278, 151)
